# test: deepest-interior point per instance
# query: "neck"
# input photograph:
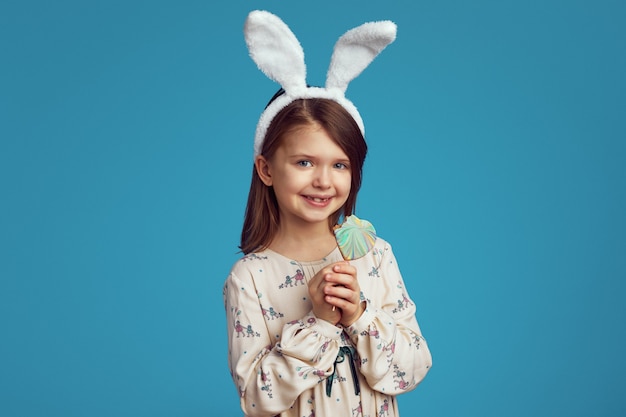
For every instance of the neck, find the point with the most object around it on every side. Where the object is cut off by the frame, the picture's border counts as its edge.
(307, 242)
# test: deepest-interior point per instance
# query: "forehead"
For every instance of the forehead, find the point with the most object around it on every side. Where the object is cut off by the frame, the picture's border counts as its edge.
(311, 139)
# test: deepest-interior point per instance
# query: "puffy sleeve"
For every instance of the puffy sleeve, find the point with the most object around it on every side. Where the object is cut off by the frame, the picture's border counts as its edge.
(270, 374)
(394, 356)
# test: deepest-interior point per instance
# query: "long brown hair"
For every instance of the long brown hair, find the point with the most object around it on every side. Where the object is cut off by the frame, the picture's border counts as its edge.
(262, 219)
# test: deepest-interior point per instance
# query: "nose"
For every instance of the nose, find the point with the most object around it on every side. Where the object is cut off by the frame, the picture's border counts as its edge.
(322, 178)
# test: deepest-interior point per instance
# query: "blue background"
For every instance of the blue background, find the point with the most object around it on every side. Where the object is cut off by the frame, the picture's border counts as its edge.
(497, 170)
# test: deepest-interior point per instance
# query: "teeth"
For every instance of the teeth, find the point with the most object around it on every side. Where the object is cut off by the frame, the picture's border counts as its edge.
(317, 199)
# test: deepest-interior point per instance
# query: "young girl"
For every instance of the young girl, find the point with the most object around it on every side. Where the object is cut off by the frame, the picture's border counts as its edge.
(309, 333)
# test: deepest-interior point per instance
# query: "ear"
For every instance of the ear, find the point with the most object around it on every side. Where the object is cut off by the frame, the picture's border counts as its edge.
(263, 170)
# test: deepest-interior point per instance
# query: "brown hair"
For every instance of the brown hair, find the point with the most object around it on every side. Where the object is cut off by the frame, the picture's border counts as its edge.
(262, 220)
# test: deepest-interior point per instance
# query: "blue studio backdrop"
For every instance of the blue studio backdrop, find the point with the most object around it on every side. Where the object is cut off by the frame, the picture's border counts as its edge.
(496, 169)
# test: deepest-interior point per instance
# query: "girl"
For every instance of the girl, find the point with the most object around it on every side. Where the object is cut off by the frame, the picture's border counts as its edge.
(309, 333)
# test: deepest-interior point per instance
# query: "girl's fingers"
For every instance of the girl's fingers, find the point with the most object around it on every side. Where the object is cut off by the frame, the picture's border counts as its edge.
(342, 292)
(344, 268)
(339, 279)
(320, 279)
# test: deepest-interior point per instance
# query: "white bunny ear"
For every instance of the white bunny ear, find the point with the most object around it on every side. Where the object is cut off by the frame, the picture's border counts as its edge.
(355, 50)
(276, 50)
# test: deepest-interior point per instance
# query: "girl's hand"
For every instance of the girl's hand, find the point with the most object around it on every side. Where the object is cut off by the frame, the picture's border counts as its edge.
(344, 292)
(318, 286)
(336, 294)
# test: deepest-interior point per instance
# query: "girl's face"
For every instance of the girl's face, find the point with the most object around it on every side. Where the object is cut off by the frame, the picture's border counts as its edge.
(310, 175)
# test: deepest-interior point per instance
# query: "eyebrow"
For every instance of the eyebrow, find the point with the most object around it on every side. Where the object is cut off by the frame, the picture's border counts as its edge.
(299, 155)
(307, 156)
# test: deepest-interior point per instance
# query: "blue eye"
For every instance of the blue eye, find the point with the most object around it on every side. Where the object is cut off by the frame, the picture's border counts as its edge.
(305, 163)
(340, 165)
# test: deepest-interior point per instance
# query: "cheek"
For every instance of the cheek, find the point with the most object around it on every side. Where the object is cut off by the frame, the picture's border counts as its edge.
(346, 184)
(293, 183)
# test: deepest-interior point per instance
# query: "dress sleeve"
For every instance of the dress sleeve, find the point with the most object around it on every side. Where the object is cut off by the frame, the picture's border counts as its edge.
(270, 374)
(394, 356)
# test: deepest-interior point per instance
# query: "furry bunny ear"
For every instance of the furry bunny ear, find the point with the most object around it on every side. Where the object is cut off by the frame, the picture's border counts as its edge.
(276, 50)
(355, 50)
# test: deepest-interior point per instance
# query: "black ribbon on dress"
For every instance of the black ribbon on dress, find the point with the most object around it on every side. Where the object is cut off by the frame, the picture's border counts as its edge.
(341, 356)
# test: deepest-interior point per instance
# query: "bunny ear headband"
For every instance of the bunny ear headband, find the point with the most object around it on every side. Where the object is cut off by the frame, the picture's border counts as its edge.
(277, 52)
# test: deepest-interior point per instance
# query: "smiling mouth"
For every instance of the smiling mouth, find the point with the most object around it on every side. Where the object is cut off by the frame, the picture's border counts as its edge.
(317, 199)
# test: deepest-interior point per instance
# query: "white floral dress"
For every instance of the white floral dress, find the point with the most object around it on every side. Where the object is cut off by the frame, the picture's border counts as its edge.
(286, 362)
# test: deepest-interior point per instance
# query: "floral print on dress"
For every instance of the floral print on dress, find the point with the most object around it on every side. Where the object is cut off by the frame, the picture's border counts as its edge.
(389, 350)
(398, 378)
(243, 330)
(404, 302)
(266, 383)
(311, 402)
(266, 293)
(384, 408)
(321, 351)
(374, 272)
(293, 281)
(253, 257)
(270, 313)
(371, 332)
(335, 377)
(358, 411)
(309, 322)
(417, 340)
(305, 371)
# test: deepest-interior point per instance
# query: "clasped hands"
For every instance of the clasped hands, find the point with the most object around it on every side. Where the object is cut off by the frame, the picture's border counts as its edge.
(336, 294)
